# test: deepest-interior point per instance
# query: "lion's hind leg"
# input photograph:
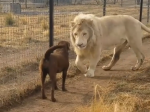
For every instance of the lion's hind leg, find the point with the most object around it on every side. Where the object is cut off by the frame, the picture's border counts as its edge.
(137, 48)
(117, 51)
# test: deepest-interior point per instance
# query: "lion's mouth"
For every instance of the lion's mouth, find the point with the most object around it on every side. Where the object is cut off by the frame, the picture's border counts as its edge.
(82, 47)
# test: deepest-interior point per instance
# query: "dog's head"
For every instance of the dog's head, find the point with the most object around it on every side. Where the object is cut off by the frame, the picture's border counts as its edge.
(65, 43)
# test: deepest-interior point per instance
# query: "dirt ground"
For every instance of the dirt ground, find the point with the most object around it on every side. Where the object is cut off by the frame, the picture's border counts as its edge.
(81, 89)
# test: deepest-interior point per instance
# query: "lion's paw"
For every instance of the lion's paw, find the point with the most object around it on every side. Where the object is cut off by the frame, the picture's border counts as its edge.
(90, 73)
(134, 68)
(82, 69)
(106, 68)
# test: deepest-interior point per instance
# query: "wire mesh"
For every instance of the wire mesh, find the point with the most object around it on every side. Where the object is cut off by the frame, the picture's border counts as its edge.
(23, 40)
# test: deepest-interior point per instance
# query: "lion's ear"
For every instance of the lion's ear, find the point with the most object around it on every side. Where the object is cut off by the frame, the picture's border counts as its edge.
(82, 21)
(90, 22)
(72, 24)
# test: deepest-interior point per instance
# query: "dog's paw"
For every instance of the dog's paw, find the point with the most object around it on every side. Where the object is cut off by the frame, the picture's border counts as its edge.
(64, 89)
(56, 88)
(53, 100)
(44, 97)
(106, 68)
(90, 73)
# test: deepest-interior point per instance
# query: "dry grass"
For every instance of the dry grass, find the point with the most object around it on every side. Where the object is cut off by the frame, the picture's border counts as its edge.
(108, 101)
(13, 85)
(26, 28)
(9, 20)
(46, 33)
(45, 25)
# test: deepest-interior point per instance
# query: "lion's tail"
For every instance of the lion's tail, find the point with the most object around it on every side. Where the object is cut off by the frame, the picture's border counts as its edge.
(50, 50)
(145, 28)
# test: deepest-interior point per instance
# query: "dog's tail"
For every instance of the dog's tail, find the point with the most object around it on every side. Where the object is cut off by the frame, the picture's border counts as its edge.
(50, 50)
(145, 28)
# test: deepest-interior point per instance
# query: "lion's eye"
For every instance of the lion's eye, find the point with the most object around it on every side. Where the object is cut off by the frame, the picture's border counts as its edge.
(75, 34)
(84, 34)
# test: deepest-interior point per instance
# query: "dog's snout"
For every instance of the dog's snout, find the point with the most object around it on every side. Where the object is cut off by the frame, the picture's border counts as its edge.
(81, 44)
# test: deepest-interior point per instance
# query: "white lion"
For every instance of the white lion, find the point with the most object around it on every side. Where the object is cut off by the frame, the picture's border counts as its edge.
(90, 35)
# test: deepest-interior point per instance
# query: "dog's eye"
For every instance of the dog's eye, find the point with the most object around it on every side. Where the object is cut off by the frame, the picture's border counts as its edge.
(84, 34)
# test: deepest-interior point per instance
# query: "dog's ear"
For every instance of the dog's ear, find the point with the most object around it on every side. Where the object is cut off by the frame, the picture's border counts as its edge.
(65, 44)
(61, 43)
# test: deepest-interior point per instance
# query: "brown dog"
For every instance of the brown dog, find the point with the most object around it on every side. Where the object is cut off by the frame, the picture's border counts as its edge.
(54, 63)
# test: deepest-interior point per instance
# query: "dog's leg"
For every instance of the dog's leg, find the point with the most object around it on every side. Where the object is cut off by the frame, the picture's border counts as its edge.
(63, 80)
(52, 75)
(43, 76)
(117, 51)
(92, 66)
(56, 88)
(79, 63)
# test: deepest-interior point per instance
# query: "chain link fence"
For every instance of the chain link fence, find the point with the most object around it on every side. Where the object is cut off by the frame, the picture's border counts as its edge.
(64, 13)
(24, 35)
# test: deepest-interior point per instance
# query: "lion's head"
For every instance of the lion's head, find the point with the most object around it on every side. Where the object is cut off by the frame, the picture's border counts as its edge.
(81, 32)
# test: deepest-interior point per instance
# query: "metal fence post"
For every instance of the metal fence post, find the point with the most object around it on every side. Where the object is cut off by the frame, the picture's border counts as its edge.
(135, 3)
(141, 9)
(104, 7)
(25, 3)
(121, 2)
(148, 11)
(51, 22)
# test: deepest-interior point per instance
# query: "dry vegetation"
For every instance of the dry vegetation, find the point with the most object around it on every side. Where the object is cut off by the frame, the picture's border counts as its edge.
(113, 102)
(129, 95)
(22, 31)
(17, 30)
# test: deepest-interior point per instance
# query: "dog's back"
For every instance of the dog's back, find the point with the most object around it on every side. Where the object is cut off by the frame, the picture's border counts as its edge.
(55, 57)
(44, 63)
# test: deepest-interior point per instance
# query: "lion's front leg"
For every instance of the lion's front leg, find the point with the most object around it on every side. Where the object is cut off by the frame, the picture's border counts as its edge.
(79, 63)
(92, 66)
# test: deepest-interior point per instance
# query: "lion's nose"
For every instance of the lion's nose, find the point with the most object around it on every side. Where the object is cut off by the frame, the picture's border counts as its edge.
(80, 45)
